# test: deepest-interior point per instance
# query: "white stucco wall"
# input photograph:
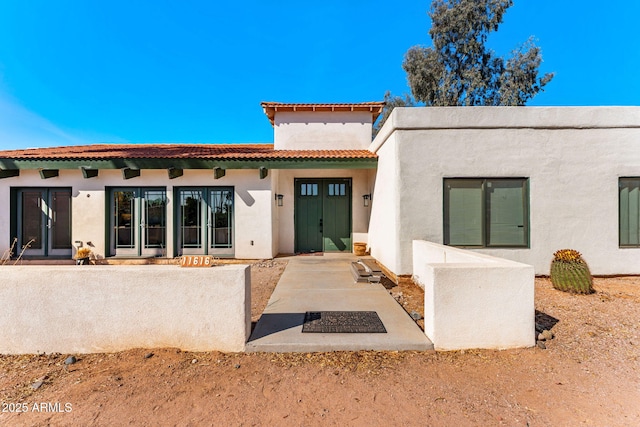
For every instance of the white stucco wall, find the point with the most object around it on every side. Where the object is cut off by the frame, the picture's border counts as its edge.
(360, 215)
(5, 220)
(573, 158)
(473, 300)
(274, 177)
(385, 213)
(308, 130)
(253, 200)
(90, 309)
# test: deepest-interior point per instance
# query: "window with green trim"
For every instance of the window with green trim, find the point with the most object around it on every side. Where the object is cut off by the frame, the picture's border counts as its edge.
(205, 220)
(629, 220)
(138, 221)
(486, 212)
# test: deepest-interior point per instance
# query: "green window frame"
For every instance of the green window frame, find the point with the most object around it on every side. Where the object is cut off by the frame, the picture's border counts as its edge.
(137, 221)
(42, 218)
(629, 212)
(486, 212)
(204, 220)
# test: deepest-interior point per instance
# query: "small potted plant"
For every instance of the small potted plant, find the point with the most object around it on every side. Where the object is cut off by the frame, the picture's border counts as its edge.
(82, 256)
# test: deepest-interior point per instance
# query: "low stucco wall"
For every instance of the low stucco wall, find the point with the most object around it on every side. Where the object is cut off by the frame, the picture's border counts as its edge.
(474, 300)
(90, 309)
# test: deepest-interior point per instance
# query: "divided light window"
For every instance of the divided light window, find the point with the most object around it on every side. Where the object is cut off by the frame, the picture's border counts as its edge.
(483, 212)
(337, 189)
(308, 189)
(629, 221)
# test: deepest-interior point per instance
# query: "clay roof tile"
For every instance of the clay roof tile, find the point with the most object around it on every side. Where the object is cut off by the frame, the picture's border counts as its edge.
(179, 151)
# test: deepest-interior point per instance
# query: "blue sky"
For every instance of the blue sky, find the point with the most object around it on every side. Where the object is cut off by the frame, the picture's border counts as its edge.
(77, 72)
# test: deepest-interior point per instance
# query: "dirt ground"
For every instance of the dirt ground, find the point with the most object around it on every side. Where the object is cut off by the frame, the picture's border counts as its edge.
(589, 374)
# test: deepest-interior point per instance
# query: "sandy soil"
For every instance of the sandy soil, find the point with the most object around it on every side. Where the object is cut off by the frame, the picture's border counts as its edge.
(589, 374)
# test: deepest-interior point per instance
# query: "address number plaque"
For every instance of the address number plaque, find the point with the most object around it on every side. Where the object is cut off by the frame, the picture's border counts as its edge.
(196, 261)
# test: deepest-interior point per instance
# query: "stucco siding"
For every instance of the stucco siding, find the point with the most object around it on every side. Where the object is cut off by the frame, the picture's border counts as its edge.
(573, 168)
(322, 130)
(253, 205)
(274, 176)
(384, 225)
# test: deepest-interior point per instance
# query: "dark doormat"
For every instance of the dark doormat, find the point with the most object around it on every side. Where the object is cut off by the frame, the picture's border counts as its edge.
(350, 322)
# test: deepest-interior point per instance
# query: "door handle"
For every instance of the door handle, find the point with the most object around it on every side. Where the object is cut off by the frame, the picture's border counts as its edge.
(321, 225)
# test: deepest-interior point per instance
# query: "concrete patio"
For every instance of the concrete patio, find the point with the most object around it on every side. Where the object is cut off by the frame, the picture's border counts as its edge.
(325, 283)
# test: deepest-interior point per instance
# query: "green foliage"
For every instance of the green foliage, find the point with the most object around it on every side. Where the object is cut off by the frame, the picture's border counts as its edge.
(570, 272)
(391, 102)
(459, 70)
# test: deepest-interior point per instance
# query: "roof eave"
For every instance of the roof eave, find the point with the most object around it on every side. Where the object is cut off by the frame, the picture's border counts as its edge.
(271, 108)
(191, 163)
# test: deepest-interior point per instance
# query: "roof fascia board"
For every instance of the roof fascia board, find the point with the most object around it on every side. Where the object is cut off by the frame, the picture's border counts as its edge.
(15, 164)
(271, 108)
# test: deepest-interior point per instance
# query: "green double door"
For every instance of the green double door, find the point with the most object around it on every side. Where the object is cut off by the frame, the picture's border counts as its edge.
(322, 215)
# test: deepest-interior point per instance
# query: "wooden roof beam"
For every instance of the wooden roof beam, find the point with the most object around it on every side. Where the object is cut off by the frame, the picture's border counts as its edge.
(87, 172)
(9, 173)
(128, 173)
(49, 173)
(218, 172)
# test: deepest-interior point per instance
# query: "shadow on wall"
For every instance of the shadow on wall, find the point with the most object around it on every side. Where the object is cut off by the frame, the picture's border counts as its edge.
(246, 197)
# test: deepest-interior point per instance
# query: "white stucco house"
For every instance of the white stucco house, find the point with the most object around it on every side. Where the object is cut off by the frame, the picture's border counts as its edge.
(514, 182)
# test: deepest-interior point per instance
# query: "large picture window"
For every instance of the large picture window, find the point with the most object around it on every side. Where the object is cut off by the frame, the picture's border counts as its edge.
(486, 212)
(629, 221)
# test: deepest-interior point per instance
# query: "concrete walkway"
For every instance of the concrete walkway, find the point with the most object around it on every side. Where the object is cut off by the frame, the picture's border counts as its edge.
(325, 283)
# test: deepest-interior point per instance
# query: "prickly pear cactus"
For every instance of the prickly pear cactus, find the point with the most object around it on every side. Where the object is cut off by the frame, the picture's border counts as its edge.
(570, 273)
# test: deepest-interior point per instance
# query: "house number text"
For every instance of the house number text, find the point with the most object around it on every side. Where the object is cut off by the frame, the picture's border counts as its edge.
(196, 261)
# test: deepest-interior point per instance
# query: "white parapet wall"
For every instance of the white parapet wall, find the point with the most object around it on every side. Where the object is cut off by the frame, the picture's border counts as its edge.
(472, 300)
(102, 308)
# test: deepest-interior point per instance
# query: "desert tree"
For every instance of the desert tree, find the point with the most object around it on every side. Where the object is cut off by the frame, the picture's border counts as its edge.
(391, 102)
(459, 69)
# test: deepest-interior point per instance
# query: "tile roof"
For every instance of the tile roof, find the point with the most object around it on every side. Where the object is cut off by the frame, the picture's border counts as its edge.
(180, 151)
(270, 108)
